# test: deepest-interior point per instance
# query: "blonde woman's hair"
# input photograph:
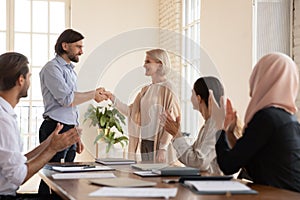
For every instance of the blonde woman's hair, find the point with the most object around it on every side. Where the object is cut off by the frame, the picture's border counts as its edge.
(162, 56)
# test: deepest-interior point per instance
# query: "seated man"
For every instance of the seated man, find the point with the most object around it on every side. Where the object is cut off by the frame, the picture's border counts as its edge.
(16, 168)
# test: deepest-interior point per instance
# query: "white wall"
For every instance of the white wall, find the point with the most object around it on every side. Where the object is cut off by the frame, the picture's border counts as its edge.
(113, 31)
(226, 35)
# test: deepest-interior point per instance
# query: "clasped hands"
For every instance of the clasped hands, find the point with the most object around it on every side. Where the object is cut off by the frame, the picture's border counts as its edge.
(101, 94)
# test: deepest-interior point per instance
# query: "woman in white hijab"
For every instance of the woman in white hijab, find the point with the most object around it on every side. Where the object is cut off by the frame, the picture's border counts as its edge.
(269, 149)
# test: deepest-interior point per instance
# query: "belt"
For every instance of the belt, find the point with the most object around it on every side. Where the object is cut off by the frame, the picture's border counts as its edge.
(55, 121)
(48, 119)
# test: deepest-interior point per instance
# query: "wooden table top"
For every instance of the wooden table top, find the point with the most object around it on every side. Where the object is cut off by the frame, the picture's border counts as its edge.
(78, 189)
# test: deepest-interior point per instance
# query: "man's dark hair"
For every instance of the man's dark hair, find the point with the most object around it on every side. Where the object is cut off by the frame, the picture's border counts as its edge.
(68, 36)
(12, 66)
(204, 84)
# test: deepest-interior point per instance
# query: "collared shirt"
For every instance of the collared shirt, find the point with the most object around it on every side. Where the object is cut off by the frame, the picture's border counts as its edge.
(58, 84)
(13, 169)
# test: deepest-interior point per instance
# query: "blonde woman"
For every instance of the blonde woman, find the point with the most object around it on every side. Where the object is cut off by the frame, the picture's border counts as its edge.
(143, 114)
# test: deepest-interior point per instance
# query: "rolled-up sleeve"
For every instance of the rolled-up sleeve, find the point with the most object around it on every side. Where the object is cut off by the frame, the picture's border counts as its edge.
(58, 84)
(13, 166)
(13, 169)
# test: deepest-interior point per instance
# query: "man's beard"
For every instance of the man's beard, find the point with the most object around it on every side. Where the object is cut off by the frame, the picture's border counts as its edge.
(24, 92)
(72, 57)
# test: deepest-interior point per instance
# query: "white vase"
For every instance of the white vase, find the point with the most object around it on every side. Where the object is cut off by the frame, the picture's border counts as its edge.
(115, 151)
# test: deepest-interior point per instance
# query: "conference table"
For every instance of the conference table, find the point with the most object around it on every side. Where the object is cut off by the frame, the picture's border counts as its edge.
(79, 189)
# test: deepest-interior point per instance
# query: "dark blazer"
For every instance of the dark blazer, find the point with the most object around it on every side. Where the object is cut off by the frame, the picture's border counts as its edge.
(269, 150)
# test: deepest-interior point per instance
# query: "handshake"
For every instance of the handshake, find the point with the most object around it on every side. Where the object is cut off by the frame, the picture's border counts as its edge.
(101, 94)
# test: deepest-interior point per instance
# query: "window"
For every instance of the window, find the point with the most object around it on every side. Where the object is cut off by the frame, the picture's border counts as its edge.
(272, 27)
(190, 69)
(31, 27)
(2, 26)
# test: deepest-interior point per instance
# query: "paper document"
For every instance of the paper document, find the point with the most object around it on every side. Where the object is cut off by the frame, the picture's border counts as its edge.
(81, 175)
(114, 161)
(81, 169)
(134, 192)
(149, 166)
(123, 182)
(214, 187)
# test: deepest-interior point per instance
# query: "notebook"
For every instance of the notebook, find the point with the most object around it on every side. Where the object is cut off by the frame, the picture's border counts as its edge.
(149, 166)
(114, 161)
(81, 169)
(176, 171)
(145, 173)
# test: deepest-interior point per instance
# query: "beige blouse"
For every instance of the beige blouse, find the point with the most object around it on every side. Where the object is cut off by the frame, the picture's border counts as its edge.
(163, 97)
(202, 153)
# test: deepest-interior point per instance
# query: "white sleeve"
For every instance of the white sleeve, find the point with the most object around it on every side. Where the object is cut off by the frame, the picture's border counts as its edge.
(12, 162)
(180, 144)
(122, 107)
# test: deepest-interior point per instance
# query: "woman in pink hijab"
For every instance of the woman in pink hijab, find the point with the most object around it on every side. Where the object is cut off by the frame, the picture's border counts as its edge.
(269, 149)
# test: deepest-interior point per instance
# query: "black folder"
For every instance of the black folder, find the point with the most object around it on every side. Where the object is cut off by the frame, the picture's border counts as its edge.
(177, 171)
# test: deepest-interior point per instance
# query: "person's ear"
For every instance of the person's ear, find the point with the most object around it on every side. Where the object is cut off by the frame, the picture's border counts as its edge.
(199, 99)
(64, 46)
(20, 80)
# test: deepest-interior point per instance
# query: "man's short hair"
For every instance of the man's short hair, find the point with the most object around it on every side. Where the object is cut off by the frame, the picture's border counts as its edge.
(68, 36)
(12, 66)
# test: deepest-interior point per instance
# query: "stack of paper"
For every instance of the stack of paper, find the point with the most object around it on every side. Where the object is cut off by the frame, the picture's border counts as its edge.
(218, 187)
(149, 166)
(135, 192)
(114, 161)
(123, 182)
(81, 169)
(82, 175)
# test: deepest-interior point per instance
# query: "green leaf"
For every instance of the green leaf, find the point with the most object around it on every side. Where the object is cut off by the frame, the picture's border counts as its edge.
(103, 120)
(106, 118)
(99, 137)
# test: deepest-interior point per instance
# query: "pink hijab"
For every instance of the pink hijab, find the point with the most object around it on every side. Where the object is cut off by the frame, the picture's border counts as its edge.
(273, 82)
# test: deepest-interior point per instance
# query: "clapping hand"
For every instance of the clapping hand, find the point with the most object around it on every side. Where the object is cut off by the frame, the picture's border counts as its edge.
(171, 126)
(161, 156)
(59, 142)
(230, 123)
(217, 113)
(230, 118)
